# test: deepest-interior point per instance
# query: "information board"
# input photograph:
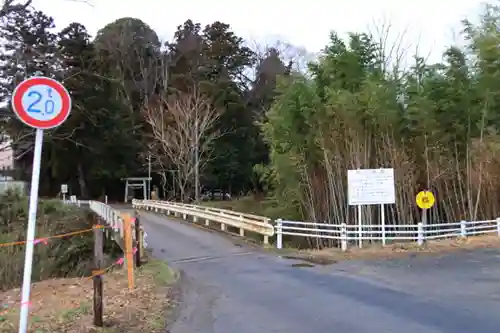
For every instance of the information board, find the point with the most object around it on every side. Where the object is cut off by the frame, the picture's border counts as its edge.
(371, 187)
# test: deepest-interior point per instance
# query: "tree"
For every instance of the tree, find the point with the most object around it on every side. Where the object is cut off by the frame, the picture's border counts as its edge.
(435, 124)
(15, 6)
(12, 6)
(216, 59)
(130, 58)
(30, 49)
(182, 130)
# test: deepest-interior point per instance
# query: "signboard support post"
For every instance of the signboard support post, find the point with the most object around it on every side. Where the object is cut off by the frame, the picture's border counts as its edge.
(382, 222)
(30, 236)
(360, 227)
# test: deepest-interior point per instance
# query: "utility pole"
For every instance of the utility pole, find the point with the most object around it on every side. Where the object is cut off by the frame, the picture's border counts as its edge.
(148, 196)
(197, 161)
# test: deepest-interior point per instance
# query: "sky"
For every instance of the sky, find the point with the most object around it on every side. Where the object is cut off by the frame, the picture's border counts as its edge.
(430, 24)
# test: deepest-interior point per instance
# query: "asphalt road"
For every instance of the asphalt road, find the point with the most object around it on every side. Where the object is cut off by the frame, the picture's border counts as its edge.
(236, 289)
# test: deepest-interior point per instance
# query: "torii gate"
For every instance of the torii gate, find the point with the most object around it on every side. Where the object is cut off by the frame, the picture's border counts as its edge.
(136, 182)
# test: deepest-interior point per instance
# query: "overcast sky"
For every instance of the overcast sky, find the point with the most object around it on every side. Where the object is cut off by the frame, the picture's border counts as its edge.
(431, 23)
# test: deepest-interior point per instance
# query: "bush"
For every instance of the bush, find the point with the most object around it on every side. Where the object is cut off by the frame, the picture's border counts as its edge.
(68, 256)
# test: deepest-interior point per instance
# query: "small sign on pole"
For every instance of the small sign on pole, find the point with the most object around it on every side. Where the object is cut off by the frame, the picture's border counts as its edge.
(425, 200)
(64, 190)
(41, 103)
(370, 187)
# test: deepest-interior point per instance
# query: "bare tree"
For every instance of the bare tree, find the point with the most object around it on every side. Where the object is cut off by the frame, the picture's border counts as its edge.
(183, 130)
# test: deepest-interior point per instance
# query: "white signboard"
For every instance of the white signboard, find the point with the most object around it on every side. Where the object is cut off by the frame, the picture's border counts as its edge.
(64, 188)
(370, 187)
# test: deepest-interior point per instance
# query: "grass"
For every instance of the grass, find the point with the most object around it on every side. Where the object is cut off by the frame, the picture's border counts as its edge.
(61, 257)
(397, 250)
(65, 305)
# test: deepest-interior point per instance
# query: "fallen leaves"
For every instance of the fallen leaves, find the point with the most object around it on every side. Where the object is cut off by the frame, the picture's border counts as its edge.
(65, 305)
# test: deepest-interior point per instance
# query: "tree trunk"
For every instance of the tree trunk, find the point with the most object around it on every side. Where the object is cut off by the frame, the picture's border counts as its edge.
(81, 182)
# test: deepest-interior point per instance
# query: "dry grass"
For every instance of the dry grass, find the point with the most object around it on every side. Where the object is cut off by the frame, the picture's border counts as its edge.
(399, 250)
(65, 305)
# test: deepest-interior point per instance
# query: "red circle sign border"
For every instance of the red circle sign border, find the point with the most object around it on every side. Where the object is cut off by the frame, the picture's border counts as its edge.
(26, 118)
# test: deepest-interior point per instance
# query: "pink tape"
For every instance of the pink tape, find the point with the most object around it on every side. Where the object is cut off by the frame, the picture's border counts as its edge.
(122, 259)
(41, 240)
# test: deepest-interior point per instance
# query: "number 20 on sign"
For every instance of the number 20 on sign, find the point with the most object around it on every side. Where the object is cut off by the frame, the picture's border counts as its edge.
(41, 103)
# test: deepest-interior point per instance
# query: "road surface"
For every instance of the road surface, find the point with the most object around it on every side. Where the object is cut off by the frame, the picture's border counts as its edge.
(237, 289)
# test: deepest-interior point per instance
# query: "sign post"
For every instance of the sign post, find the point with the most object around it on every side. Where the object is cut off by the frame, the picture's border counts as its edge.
(64, 190)
(41, 103)
(425, 200)
(370, 187)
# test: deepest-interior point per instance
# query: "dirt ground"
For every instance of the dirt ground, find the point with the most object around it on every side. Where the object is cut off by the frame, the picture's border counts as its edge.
(65, 305)
(399, 250)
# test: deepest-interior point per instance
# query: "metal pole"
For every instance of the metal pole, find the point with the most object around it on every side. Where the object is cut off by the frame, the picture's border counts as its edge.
(30, 234)
(149, 177)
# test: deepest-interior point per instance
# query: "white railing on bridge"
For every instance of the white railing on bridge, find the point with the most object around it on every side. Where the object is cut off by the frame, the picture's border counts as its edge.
(346, 234)
(73, 200)
(249, 222)
(112, 217)
(420, 233)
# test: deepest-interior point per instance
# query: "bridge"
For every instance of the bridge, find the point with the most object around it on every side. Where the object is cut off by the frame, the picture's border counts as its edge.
(231, 285)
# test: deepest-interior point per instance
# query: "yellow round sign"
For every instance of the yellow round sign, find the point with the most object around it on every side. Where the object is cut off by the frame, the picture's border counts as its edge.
(425, 199)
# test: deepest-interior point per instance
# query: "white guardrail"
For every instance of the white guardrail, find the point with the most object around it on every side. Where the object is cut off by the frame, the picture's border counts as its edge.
(112, 217)
(353, 233)
(74, 201)
(244, 222)
(346, 234)
(108, 214)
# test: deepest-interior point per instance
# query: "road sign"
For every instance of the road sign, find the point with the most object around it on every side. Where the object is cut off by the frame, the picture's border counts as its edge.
(41, 102)
(425, 199)
(370, 187)
(64, 188)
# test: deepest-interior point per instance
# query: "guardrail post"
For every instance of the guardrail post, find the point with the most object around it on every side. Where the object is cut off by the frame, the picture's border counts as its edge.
(420, 236)
(279, 233)
(343, 236)
(222, 227)
(463, 229)
(266, 240)
(498, 226)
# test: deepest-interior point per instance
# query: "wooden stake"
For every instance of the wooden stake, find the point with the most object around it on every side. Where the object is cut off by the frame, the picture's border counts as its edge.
(138, 239)
(129, 258)
(97, 279)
